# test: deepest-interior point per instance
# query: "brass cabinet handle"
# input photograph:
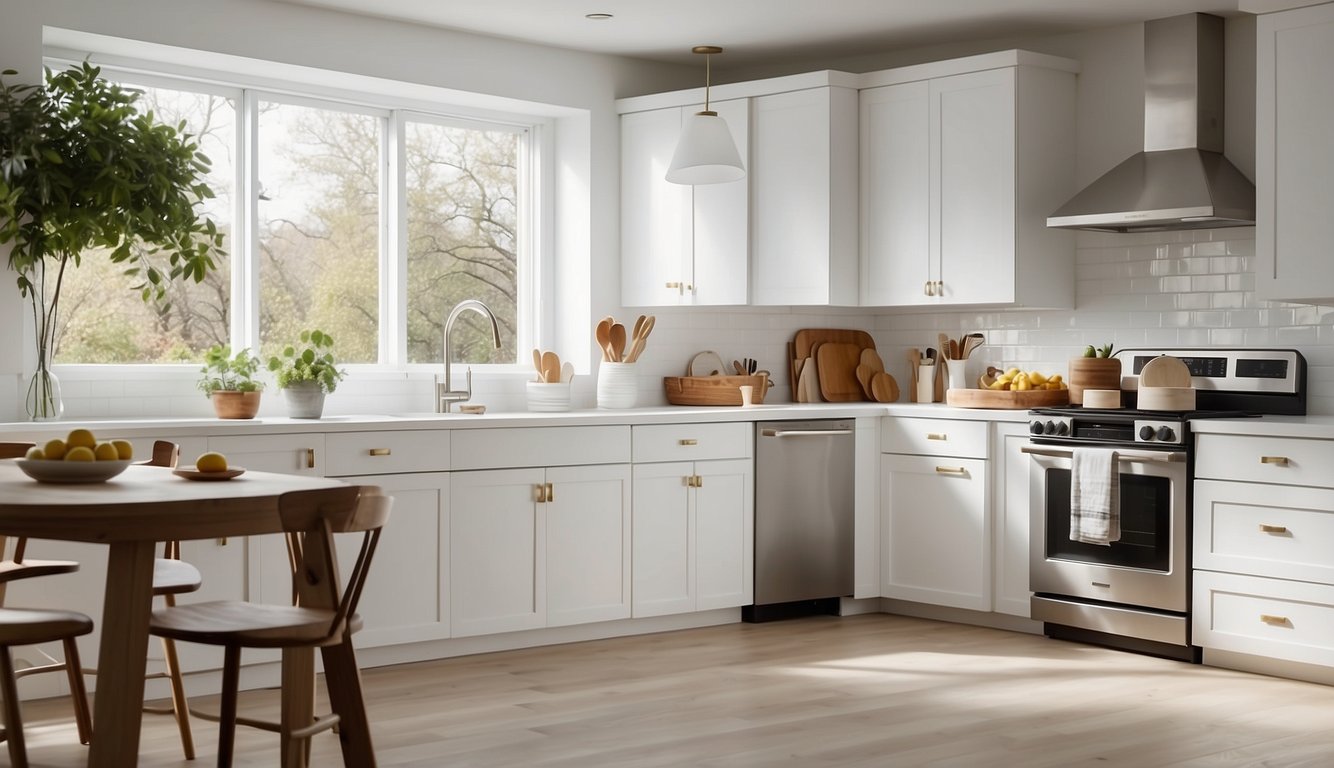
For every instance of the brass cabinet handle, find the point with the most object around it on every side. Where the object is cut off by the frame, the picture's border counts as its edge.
(1273, 528)
(940, 287)
(678, 286)
(1275, 621)
(961, 471)
(222, 542)
(699, 481)
(551, 493)
(378, 452)
(688, 441)
(694, 481)
(937, 436)
(539, 493)
(1281, 461)
(927, 288)
(310, 458)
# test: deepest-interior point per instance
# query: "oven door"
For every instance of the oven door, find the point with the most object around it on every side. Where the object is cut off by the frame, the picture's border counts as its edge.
(1147, 567)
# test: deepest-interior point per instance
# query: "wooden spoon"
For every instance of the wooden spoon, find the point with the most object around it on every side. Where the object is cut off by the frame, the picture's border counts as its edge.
(617, 342)
(914, 362)
(864, 375)
(550, 368)
(884, 388)
(640, 338)
(537, 361)
(603, 336)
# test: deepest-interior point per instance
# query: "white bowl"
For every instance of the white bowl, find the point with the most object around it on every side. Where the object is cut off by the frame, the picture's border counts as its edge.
(60, 471)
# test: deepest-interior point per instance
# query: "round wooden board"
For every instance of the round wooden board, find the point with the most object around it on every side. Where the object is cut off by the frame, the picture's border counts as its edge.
(1003, 399)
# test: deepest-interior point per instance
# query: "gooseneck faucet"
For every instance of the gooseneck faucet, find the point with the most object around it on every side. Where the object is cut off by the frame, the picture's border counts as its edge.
(445, 393)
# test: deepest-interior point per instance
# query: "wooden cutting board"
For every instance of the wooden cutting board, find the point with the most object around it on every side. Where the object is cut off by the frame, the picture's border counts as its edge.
(1004, 399)
(836, 364)
(805, 340)
(1164, 371)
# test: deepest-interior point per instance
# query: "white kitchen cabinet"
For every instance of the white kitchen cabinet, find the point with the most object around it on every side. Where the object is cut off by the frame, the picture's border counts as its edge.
(681, 244)
(1010, 500)
(693, 537)
(538, 547)
(958, 174)
(1294, 158)
(803, 181)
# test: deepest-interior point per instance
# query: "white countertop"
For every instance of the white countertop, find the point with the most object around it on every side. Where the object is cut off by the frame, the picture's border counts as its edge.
(1318, 427)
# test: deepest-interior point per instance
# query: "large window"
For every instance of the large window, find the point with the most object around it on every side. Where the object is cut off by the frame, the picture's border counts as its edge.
(365, 220)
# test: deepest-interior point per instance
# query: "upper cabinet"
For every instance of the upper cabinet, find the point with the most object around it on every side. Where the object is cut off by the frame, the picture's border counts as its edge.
(1294, 157)
(961, 162)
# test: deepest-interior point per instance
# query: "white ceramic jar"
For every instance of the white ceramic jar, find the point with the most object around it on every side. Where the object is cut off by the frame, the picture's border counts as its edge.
(618, 385)
(548, 398)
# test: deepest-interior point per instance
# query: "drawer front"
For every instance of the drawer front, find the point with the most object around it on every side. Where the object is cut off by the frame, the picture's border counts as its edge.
(1266, 617)
(1262, 530)
(934, 437)
(539, 447)
(385, 453)
(1257, 459)
(689, 442)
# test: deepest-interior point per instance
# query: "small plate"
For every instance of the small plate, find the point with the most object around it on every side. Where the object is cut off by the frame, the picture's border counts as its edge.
(60, 471)
(194, 474)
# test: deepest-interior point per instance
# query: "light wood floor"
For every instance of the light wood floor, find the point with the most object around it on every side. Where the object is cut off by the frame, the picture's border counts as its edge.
(870, 690)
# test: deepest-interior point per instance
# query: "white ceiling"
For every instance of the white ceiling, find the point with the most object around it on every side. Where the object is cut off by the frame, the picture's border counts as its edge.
(767, 31)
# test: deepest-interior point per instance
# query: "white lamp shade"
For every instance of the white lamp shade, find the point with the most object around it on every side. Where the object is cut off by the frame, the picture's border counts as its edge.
(706, 153)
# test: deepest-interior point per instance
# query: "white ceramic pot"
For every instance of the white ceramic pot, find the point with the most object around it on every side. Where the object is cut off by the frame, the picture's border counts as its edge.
(618, 385)
(548, 398)
(305, 400)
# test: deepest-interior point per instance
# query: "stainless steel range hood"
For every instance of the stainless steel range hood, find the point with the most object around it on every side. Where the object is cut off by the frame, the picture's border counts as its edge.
(1181, 180)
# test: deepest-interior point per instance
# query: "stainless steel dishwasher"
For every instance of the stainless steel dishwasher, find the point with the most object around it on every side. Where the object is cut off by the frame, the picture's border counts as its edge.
(803, 517)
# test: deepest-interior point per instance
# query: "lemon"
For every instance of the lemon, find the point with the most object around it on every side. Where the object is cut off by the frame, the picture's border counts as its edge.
(80, 453)
(54, 449)
(35, 453)
(211, 462)
(106, 452)
(124, 449)
(81, 437)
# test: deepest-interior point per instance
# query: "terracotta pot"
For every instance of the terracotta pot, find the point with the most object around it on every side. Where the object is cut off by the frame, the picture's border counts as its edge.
(1092, 373)
(235, 405)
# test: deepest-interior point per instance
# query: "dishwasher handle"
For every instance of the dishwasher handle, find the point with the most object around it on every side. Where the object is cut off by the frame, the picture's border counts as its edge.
(803, 432)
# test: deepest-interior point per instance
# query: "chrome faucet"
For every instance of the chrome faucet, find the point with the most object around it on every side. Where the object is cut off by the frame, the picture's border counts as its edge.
(444, 391)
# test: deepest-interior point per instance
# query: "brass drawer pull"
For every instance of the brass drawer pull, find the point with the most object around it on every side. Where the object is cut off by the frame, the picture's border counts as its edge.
(960, 471)
(1275, 621)
(1281, 461)
(551, 493)
(379, 451)
(694, 481)
(937, 436)
(688, 441)
(310, 458)
(539, 493)
(1273, 528)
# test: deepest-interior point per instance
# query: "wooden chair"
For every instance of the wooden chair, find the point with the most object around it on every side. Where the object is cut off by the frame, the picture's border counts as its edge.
(323, 617)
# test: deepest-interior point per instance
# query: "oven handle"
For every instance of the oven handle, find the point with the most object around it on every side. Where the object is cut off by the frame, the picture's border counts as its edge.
(1175, 457)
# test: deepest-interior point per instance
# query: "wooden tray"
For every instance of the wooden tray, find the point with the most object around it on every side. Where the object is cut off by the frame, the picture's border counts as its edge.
(713, 390)
(805, 339)
(836, 365)
(996, 398)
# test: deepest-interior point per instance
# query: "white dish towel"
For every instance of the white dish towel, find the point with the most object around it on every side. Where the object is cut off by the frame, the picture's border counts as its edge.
(1095, 499)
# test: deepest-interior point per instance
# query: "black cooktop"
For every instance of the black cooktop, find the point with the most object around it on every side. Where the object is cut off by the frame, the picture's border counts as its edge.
(1130, 414)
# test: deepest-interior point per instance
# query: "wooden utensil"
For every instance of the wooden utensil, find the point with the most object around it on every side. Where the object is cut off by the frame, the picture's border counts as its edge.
(537, 361)
(871, 359)
(810, 382)
(550, 367)
(603, 336)
(914, 363)
(805, 340)
(971, 342)
(566, 372)
(798, 394)
(617, 343)
(864, 375)
(642, 330)
(884, 388)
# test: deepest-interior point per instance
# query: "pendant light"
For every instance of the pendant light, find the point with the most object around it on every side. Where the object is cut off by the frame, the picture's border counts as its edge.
(706, 153)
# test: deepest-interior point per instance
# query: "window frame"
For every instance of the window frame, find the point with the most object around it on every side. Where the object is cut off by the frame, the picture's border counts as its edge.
(535, 235)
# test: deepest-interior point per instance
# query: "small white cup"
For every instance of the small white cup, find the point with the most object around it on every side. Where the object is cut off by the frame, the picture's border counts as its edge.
(747, 392)
(957, 370)
(926, 384)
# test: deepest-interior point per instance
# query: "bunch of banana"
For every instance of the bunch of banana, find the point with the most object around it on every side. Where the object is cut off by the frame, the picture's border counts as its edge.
(1015, 380)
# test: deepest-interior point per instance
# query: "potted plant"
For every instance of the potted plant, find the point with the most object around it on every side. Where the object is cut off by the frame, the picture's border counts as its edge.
(80, 169)
(1097, 369)
(306, 373)
(229, 381)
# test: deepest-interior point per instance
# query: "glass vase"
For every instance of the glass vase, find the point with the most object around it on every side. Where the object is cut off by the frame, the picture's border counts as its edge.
(43, 401)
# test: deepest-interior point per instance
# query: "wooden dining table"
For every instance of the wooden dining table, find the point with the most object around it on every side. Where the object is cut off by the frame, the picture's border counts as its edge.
(131, 513)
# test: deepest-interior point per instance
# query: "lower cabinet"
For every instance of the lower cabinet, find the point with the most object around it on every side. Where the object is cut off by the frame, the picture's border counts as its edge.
(532, 548)
(693, 536)
(1009, 500)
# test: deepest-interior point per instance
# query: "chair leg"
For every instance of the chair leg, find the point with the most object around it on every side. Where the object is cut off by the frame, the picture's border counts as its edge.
(18, 752)
(83, 717)
(343, 679)
(298, 703)
(180, 706)
(231, 674)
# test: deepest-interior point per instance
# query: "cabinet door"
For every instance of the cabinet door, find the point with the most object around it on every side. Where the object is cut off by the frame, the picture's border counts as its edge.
(1294, 158)
(497, 567)
(937, 536)
(972, 170)
(1010, 500)
(662, 560)
(895, 199)
(405, 598)
(724, 512)
(656, 237)
(588, 544)
(721, 260)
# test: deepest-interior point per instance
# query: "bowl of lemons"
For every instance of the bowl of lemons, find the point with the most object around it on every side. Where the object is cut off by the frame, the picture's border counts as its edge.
(77, 458)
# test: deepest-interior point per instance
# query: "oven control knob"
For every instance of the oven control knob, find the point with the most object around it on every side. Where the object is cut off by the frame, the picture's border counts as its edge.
(1062, 428)
(1049, 427)
(1166, 435)
(1035, 428)
(1146, 432)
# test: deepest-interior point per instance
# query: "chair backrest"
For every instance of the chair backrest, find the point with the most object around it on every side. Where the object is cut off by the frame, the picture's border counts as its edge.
(165, 454)
(311, 518)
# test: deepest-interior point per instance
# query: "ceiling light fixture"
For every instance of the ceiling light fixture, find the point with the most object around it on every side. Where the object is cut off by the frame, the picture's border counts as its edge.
(597, 16)
(706, 153)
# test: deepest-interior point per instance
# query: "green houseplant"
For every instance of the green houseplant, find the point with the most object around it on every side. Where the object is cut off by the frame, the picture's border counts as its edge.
(229, 381)
(306, 372)
(81, 169)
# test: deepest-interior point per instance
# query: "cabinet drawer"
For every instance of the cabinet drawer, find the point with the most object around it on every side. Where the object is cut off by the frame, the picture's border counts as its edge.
(934, 437)
(383, 453)
(540, 447)
(1277, 531)
(688, 442)
(1274, 618)
(1258, 459)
